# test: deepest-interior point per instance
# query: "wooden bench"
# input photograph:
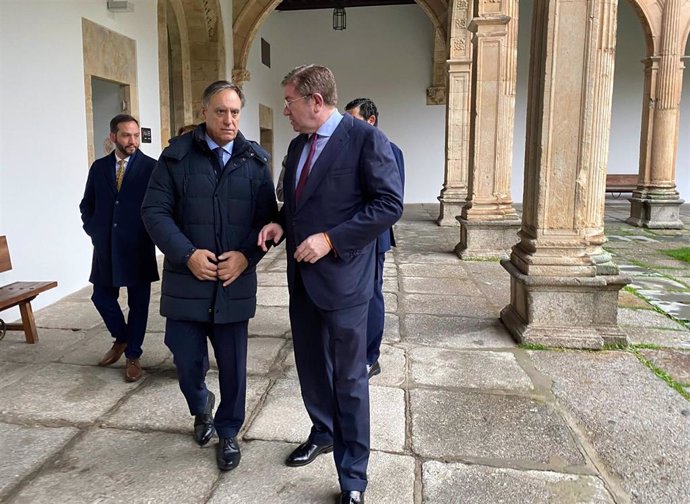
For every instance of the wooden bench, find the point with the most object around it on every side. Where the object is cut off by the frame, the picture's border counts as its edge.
(19, 294)
(619, 183)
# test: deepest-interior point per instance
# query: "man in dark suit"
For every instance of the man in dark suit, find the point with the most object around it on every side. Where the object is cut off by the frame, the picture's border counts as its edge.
(209, 197)
(123, 253)
(365, 110)
(342, 190)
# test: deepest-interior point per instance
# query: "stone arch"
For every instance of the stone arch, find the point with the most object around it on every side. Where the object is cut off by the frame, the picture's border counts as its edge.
(253, 13)
(686, 32)
(174, 68)
(206, 47)
(650, 19)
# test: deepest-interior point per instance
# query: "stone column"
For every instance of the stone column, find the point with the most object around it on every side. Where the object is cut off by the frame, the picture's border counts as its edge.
(489, 223)
(564, 287)
(656, 203)
(459, 90)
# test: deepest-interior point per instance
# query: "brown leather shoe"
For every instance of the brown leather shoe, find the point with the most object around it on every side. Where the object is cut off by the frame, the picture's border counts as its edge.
(132, 370)
(113, 355)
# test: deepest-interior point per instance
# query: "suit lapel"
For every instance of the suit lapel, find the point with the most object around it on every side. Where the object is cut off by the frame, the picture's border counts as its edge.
(323, 164)
(110, 169)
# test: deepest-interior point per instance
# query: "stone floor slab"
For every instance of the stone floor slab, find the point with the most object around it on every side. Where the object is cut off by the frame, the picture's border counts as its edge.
(661, 337)
(271, 279)
(634, 420)
(283, 417)
(390, 284)
(64, 393)
(270, 322)
(12, 372)
(75, 315)
(468, 306)
(392, 362)
(19, 454)
(427, 258)
(387, 416)
(160, 404)
(96, 343)
(141, 467)
(456, 332)
(488, 485)
(467, 368)
(675, 363)
(272, 296)
(262, 477)
(53, 344)
(442, 286)
(646, 318)
(432, 270)
(391, 328)
(508, 430)
(390, 301)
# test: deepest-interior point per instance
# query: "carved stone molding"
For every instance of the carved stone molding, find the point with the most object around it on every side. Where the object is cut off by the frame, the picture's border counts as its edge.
(436, 95)
(240, 76)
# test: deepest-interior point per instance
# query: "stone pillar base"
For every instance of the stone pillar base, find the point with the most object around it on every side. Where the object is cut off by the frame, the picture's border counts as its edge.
(450, 209)
(486, 239)
(569, 312)
(655, 214)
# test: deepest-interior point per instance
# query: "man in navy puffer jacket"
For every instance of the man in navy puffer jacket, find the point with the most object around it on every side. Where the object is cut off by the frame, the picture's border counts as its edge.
(208, 197)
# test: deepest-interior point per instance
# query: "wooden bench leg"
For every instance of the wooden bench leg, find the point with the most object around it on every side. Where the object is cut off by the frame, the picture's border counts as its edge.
(29, 323)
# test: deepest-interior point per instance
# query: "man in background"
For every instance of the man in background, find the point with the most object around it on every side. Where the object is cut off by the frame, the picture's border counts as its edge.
(364, 109)
(123, 253)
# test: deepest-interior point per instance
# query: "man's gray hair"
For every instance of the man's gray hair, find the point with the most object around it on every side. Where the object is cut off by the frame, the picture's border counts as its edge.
(310, 79)
(219, 86)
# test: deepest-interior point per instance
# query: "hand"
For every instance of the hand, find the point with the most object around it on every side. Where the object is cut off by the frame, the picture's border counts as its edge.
(230, 266)
(271, 231)
(202, 263)
(312, 249)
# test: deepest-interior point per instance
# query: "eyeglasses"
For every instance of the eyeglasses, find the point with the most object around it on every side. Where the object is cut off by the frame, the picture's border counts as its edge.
(290, 102)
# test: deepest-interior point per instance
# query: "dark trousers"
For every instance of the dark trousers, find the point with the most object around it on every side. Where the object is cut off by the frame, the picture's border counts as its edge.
(133, 330)
(187, 341)
(377, 314)
(330, 354)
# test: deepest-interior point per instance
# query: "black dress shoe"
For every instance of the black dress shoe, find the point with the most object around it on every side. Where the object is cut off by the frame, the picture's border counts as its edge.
(228, 453)
(306, 453)
(351, 497)
(203, 423)
(373, 369)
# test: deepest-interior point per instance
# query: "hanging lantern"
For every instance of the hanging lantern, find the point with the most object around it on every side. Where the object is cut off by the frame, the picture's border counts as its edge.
(339, 19)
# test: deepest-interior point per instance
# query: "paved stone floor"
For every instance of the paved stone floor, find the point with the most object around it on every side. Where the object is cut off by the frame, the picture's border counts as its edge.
(461, 414)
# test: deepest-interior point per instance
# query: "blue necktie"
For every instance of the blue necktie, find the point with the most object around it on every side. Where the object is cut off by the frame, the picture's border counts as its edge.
(219, 156)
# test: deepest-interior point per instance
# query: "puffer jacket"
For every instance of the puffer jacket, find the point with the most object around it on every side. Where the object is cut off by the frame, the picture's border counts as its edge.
(187, 206)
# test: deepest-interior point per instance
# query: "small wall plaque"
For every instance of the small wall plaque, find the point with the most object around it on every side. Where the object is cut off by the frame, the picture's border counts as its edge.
(145, 135)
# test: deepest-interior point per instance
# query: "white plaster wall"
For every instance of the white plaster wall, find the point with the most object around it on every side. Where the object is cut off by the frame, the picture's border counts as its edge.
(43, 145)
(384, 54)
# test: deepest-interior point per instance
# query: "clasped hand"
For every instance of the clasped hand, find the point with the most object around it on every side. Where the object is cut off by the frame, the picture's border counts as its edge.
(204, 265)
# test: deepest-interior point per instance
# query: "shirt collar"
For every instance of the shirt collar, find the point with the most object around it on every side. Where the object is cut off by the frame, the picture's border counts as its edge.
(327, 128)
(117, 159)
(213, 145)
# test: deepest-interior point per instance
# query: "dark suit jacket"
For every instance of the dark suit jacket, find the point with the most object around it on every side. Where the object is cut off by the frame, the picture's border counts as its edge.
(354, 192)
(386, 240)
(123, 253)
